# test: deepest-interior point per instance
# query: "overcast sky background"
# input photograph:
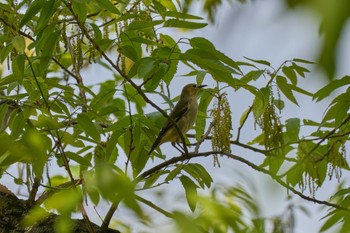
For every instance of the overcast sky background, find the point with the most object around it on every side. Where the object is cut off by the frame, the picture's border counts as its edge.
(262, 29)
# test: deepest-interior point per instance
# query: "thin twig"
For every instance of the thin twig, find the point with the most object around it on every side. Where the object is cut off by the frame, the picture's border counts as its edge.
(154, 206)
(131, 147)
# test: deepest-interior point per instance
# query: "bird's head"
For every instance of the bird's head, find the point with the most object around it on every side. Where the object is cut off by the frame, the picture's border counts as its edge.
(191, 89)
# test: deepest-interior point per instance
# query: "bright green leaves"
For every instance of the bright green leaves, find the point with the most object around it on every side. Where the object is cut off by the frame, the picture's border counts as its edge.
(285, 89)
(287, 84)
(32, 148)
(168, 4)
(337, 217)
(197, 172)
(80, 9)
(108, 6)
(48, 9)
(192, 177)
(153, 69)
(337, 111)
(88, 126)
(33, 9)
(331, 87)
(183, 24)
(205, 100)
(292, 129)
(18, 43)
(112, 184)
(209, 59)
(18, 65)
(190, 190)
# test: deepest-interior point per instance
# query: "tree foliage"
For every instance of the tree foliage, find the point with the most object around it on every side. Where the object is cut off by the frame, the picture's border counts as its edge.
(100, 134)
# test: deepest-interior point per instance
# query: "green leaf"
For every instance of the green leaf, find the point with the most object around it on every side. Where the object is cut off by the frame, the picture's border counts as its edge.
(77, 158)
(341, 192)
(107, 5)
(79, 7)
(36, 214)
(158, 73)
(181, 15)
(112, 142)
(183, 24)
(17, 127)
(173, 59)
(300, 90)
(199, 173)
(286, 89)
(162, 52)
(332, 221)
(19, 43)
(141, 25)
(219, 71)
(262, 62)
(201, 43)
(338, 109)
(295, 175)
(292, 129)
(146, 66)
(174, 172)
(48, 9)
(5, 51)
(37, 144)
(190, 191)
(18, 64)
(252, 75)
(105, 96)
(89, 128)
(205, 100)
(130, 52)
(332, 86)
(50, 45)
(151, 180)
(169, 41)
(97, 32)
(244, 116)
(135, 97)
(279, 104)
(260, 104)
(274, 162)
(168, 4)
(47, 122)
(212, 53)
(32, 10)
(303, 61)
(290, 74)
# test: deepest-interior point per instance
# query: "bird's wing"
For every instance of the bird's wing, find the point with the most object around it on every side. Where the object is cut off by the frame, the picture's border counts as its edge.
(179, 110)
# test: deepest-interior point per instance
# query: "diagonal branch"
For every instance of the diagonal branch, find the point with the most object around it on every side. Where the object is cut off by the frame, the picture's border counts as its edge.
(181, 158)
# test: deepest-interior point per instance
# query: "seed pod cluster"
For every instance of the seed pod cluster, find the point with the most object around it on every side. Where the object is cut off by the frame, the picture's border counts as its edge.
(271, 125)
(222, 119)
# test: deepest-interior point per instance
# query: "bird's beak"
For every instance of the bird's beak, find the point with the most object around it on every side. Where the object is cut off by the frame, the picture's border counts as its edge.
(201, 86)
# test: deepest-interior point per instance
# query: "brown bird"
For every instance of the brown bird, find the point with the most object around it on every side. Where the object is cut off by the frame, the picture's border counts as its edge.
(184, 115)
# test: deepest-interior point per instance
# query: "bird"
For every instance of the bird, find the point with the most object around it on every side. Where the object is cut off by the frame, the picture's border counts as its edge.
(184, 115)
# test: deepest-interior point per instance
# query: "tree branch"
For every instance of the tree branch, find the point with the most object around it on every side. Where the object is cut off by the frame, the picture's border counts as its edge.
(155, 207)
(181, 158)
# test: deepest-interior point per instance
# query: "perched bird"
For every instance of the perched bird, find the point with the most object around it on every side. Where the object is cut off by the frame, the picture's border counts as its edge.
(184, 115)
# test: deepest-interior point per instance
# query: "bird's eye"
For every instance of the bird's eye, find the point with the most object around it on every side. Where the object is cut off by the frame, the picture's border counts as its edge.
(194, 86)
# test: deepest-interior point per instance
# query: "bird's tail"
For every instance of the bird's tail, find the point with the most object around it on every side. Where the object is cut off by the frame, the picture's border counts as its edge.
(158, 140)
